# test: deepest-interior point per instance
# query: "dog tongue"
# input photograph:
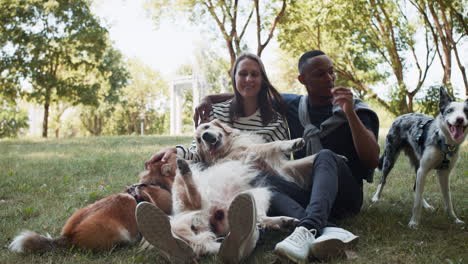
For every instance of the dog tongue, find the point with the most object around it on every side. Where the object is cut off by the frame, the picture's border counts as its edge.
(212, 149)
(456, 132)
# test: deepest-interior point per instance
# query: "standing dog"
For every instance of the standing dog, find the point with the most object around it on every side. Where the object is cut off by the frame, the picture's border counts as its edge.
(430, 144)
(202, 195)
(110, 221)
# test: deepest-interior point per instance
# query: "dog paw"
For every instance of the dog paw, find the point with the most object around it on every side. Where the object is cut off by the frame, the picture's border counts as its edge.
(298, 144)
(288, 223)
(293, 145)
(281, 223)
(459, 222)
(427, 206)
(413, 224)
(183, 166)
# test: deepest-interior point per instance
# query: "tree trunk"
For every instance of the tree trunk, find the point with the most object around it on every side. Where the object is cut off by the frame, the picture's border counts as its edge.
(45, 124)
(410, 102)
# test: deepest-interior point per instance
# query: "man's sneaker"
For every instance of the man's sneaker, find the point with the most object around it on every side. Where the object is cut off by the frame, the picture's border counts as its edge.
(241, 240)
(297, 245)
(332, 243)
(155, 227)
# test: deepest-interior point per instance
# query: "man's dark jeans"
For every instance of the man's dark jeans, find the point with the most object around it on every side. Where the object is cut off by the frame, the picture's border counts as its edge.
(334, 193)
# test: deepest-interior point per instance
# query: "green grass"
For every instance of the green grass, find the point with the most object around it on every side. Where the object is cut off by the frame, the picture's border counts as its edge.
(42, 182)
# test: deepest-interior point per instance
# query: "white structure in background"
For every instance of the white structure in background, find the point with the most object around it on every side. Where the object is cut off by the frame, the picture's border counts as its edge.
(179, 86)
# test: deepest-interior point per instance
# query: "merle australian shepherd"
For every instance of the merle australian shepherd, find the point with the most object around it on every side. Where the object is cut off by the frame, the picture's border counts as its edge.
(431, 144)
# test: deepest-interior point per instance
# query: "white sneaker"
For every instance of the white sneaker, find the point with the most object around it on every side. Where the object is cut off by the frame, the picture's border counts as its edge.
(242, 239)
(297, 245)
(332, 243)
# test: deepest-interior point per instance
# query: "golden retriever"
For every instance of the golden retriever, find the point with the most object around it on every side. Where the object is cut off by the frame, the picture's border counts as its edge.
(229, 161)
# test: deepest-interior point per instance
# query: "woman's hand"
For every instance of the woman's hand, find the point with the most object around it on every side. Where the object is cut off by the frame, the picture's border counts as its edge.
(162, 155)
(202, 111)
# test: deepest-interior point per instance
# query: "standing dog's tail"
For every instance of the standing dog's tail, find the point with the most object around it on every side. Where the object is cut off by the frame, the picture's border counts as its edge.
(381, 162)
(30, 242)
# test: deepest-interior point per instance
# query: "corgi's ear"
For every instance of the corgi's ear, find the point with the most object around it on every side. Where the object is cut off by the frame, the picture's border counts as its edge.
(228, 130)
(167, 170)
(444, 99)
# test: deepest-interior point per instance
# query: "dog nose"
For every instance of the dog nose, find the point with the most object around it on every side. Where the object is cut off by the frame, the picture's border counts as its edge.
(459, 120)
(208, 137)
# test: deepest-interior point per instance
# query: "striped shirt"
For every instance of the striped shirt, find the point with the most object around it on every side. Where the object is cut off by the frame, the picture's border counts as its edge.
(275, 130)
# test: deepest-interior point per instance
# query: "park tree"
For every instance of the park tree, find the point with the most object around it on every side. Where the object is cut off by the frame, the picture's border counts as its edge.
(448, 25)
(375, 44)
(213, 68)
(230, 18)
(49, 47)
(142, 100)
(13, 119)
(112, 75)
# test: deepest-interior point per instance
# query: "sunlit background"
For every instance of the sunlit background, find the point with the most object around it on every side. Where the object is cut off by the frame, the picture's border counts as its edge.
(162, 44)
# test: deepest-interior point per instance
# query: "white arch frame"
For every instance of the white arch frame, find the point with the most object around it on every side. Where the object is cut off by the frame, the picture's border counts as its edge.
(178, 86)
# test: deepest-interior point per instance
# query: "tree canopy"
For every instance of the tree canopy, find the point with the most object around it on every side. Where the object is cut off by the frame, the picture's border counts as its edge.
(51, 47)
(370, 41)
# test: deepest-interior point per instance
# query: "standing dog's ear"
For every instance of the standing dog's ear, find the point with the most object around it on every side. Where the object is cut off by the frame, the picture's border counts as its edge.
(226, 128)
(444, 98)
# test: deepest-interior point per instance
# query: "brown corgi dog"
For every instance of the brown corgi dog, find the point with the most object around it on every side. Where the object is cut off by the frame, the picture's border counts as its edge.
(110, 221)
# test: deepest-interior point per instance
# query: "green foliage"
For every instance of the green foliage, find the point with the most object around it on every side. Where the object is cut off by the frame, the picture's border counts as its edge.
(12, 119)
(114, 77)
(144, 99)
(187, 113)
(372, 43)
(115, 74)
(429, 104)
(320, 25)
(52, 47)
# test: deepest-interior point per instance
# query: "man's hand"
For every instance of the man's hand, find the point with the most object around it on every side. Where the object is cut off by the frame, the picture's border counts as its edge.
(162, 155)
(364, 140)
(202, 112)
(344, 98)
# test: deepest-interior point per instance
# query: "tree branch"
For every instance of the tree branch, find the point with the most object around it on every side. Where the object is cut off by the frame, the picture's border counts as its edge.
(270, 35)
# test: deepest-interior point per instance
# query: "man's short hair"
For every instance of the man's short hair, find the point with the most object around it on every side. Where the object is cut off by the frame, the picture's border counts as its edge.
(306, 56)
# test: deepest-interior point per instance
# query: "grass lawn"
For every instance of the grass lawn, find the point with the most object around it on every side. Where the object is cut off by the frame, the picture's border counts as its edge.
(42, 182)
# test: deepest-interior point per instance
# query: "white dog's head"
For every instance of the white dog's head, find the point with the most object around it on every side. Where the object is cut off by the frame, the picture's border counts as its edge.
(454, 116)
(213, 140)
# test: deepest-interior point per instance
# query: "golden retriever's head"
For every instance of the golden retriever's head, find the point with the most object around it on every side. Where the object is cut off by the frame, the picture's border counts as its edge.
(213, 140)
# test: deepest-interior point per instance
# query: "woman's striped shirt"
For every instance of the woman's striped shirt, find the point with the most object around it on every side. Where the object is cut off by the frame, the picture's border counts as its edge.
(275, 130)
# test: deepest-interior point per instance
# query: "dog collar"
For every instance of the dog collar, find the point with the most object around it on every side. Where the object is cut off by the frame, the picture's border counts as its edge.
(132, 191)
